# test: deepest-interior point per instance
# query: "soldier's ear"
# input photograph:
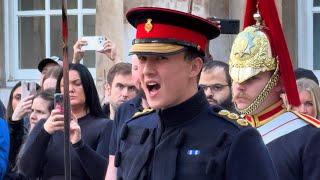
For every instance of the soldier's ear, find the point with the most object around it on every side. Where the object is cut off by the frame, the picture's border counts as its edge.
(279, 87)
(196, 67)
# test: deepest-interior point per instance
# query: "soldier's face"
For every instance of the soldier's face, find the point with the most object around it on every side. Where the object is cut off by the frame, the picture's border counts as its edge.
(166, 80)
(246, 92)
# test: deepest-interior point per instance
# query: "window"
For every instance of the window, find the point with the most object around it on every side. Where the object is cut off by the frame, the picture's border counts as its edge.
(309, 35)
(33, 32)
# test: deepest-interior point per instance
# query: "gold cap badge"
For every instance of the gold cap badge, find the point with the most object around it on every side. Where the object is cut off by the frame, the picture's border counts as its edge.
(148, 25)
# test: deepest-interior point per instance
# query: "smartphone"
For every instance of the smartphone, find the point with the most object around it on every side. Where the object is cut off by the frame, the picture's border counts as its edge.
(228, 26)
(58, 102)
(93, 43)
(28, 88)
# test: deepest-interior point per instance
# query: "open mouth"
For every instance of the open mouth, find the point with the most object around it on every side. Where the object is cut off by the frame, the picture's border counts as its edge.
(153, 88)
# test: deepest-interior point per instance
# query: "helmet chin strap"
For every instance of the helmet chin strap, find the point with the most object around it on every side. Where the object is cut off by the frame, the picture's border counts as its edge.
(262, 95)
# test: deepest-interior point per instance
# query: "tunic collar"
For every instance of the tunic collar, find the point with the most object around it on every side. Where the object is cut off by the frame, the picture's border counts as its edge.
(185, 111)
(267, 115)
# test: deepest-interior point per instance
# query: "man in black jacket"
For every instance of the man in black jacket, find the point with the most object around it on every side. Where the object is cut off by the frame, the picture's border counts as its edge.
(185, 138)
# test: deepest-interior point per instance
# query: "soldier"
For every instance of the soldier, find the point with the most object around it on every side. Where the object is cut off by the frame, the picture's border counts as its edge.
(185, 138)
(260, 68)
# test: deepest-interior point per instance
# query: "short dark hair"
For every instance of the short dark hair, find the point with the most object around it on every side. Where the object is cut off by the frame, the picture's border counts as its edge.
(47, 95)
(209, 65)
(119, 68)
(90, 91)
(306, 73)
(191, 53)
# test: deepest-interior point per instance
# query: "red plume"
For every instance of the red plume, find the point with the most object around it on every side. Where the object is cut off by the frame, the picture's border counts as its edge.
(269, 14)
(64, 27)
(251, 8)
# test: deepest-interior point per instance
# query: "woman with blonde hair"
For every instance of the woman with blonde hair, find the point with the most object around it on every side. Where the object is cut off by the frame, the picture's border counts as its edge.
(309, 93)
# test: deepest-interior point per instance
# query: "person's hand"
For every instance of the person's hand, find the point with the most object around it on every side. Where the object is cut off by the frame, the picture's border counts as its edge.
(75, 130)
(23, 108)
(110, 50)
(77, 52)
(55, 122)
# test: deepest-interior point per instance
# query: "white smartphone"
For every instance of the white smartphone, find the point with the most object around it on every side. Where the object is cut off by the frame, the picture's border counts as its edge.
(93, 43)
(28, 88)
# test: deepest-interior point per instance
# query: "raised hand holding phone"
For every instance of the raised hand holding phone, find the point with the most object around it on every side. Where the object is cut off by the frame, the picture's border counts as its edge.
(94, 43)
(23, 108)
(54, 122)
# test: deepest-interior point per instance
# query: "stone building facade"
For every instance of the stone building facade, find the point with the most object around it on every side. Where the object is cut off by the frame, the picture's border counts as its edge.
(110, 21)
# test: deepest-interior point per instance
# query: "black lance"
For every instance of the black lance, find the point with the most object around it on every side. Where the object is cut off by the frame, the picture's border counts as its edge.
(66, 98)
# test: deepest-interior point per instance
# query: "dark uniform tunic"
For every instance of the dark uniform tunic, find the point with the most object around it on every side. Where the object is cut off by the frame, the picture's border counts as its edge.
(293, 141)
(124, 113)
(297, 155)
(191, 141)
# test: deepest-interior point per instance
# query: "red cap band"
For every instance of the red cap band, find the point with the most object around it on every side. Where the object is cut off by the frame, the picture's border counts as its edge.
(167, 31)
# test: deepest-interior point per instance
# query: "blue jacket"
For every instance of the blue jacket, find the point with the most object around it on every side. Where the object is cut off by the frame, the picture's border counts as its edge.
(2, 110)
(4, 147)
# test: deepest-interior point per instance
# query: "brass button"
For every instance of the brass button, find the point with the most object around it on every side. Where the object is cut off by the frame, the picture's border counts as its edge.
(224, 112)
(242, 122)
(233, 116)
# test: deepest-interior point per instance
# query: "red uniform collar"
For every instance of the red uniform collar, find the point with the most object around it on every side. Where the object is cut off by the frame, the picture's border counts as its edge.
(267, 115)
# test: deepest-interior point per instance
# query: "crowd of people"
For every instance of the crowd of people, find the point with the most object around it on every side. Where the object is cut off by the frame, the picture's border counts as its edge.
(173, 112)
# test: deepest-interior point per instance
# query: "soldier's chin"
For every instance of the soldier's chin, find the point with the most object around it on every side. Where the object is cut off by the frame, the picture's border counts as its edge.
(241, 106)
(154, 104)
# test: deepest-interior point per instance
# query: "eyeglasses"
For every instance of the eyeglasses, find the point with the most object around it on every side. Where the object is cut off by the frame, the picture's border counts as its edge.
(213, 87)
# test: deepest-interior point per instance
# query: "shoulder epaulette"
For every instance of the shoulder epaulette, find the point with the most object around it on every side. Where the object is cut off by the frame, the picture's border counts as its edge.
(142, 113)
(315, 122)
(233, 117)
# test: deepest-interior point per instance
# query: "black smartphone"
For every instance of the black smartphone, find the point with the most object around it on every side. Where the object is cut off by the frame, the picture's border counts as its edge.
(228, 26)
(58, 102)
